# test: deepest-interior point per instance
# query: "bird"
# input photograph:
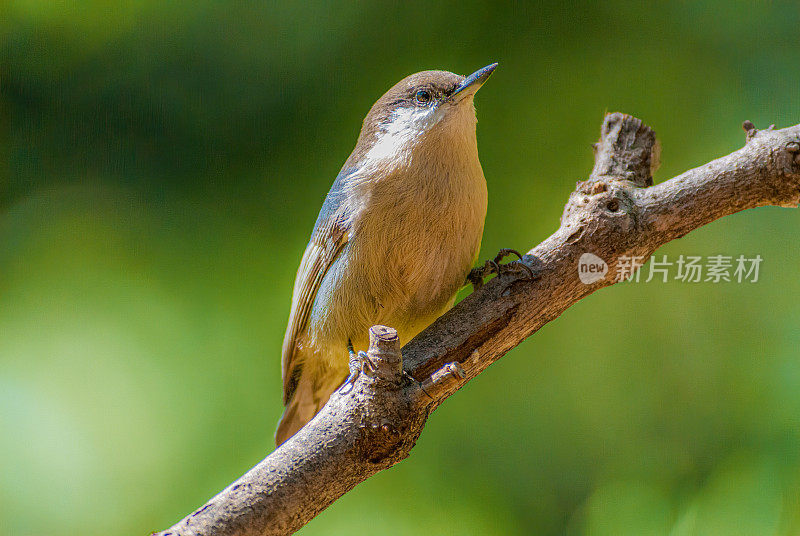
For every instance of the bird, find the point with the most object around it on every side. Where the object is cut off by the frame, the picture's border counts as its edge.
(395, 240)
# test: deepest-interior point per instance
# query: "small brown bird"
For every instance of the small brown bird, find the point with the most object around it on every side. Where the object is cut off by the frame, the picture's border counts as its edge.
(395, 239)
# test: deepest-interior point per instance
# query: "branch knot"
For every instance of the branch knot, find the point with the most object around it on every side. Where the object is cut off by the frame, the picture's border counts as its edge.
(384, 357)
(627, 150)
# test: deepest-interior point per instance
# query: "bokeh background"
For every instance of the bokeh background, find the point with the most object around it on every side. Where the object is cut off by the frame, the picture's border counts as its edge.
(161, 167)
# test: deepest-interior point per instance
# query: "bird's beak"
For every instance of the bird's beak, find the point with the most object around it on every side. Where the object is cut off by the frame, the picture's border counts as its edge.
(473, 82)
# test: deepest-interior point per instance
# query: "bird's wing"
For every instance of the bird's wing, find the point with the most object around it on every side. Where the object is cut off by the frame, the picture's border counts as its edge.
(330, 235)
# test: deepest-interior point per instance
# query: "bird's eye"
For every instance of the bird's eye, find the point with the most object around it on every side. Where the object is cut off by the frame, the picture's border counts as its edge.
(422, 96)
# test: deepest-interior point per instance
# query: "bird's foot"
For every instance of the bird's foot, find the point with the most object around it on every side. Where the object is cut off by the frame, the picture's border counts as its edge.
(350, 382)
(493, 266)
(359, 362)
(355, 370)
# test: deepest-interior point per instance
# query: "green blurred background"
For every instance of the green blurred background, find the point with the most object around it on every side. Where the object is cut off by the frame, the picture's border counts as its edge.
(161, 167)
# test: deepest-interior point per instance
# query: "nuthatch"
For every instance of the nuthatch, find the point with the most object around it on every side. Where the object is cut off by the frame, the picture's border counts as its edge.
(395, 239)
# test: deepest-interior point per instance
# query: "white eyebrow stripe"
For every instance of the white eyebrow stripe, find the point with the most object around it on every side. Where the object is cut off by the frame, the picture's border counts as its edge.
(399, 133)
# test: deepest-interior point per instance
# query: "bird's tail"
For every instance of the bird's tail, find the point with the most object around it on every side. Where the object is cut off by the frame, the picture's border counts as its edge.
(309, 397)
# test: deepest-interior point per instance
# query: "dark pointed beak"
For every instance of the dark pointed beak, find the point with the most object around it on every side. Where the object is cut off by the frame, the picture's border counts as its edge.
(473, 82)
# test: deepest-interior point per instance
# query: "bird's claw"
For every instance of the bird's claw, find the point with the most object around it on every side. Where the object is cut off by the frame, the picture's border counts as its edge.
(494, 266)
(350, 382)
(359, 362)
(513, 266)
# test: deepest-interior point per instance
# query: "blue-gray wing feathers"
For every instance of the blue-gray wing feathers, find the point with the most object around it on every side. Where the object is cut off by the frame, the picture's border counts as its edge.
(331, 232)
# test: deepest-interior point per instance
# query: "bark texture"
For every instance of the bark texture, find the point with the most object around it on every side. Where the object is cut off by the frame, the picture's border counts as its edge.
(616, 213)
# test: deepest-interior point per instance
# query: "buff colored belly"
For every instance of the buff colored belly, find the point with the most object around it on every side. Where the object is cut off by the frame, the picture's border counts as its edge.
(406, 278)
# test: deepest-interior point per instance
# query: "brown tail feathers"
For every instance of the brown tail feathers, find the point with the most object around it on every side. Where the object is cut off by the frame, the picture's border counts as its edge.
(308, 398)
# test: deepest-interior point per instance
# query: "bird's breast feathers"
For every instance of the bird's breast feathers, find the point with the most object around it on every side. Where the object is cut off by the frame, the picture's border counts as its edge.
(408, 252)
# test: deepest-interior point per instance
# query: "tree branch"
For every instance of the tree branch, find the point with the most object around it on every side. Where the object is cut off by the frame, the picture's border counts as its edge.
(615, 214)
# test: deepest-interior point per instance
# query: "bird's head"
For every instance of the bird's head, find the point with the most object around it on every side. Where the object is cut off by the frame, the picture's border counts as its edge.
(420, 110)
